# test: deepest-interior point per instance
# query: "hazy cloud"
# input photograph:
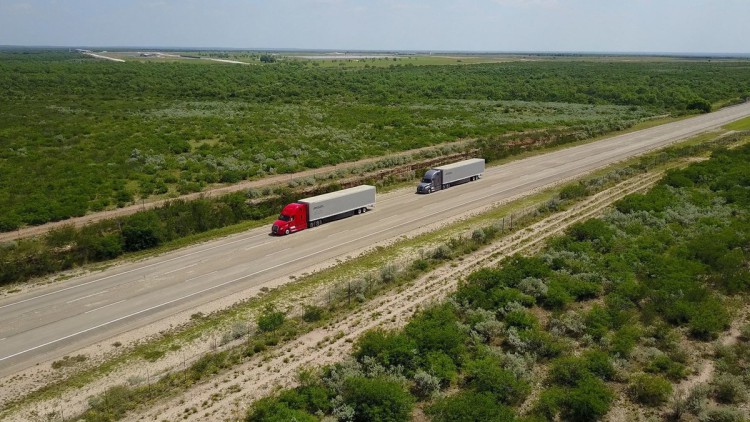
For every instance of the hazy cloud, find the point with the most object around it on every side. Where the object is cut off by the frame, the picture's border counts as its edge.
(475, 25)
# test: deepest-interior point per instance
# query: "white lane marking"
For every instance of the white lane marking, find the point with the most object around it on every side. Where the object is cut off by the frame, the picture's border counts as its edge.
(202, 275)
(180, 269)
(256, 246)
(87, 296)
(104, 324)
(102, 307)
(276, 252)
(129, 271)
(1, 339)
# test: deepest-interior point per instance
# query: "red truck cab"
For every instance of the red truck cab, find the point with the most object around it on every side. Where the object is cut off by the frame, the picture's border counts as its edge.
(293, 218)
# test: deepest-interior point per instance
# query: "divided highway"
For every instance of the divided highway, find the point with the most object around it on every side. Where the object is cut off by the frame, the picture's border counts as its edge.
(49, 322)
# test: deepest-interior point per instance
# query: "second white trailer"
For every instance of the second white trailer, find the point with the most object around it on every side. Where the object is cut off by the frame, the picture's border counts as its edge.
(451, 174)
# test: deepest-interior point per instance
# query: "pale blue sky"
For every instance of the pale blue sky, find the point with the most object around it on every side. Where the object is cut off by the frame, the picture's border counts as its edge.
(680, 26)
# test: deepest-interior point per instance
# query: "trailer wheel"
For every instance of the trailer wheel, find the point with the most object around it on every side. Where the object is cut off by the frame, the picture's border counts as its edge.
(359, 211)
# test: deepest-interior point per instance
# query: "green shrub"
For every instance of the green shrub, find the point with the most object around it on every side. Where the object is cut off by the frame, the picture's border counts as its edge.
(487, 375)
(624, 340)
(550, 402)
(312, 313)
(111, 405)
(469, 406)
(568, 370)
(572, 191)
(436, 329)
(388, 348)
(421, 265)
(662, 364)
(209, 364)
(314, 399)
(557, 297)
(270, 409)
(270, 319)
(592, 230)
(600, 364)
(376, 399)
(521, 320)
(656, 200)
(590, 400)
(440, 365)
(650, 390)
(708, 319)
(723, 414)
(142, 231)
(729, 389)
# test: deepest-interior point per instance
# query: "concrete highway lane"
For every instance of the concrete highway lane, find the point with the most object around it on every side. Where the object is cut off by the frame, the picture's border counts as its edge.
(50, 321)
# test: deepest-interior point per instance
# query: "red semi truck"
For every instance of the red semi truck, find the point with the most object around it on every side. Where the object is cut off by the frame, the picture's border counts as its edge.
(316, 210)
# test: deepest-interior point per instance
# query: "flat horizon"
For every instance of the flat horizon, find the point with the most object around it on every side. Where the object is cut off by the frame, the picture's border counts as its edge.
(387, 51)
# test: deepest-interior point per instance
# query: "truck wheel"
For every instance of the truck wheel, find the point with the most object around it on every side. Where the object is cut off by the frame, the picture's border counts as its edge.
(286, 231)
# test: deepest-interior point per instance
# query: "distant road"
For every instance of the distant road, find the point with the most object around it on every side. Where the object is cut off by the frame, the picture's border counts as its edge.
(99, 56)
(55, 320)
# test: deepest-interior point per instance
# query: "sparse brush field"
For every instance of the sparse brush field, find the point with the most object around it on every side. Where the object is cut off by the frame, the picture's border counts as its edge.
(81, 135)
(626, 317)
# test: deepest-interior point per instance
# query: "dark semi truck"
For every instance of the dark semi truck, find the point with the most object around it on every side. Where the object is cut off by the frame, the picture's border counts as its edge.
(448, 175)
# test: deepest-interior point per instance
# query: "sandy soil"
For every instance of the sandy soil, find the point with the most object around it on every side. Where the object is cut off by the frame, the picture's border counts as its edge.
(706, 367)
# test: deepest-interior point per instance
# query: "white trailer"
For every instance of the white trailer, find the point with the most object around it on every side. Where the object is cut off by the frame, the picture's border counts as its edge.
(357, 199)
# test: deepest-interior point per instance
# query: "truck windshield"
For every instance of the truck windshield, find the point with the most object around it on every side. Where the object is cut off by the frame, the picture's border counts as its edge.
(426, 180)
(283, 217)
